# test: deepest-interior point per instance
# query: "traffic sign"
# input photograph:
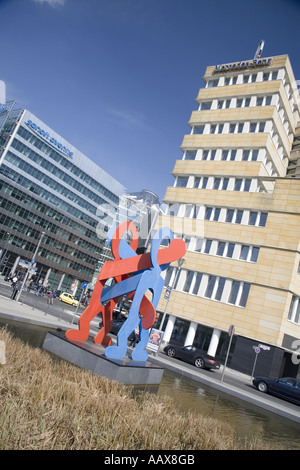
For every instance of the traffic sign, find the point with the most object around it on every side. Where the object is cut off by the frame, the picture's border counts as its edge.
(84, 284)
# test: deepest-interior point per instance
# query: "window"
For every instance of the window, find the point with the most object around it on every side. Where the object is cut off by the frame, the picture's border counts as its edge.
(263, 219)
(188, 281)
(221, 248)
(232, 155)
(239, 103)
(238, 184)
(246, 154)
(220, 288)
(244, 252)
(244, 295)
(198, 129)
(252, 218)
(217, 214)
(197, 283)
(208, 213)
(225, 183)
(224, 154)
(210, 286)
(247, 185)
(252, 126)
(207, 246)
(189, 155)
(212, 83)
(254, 254)
(230, 249)
(197, 182)
(294, 312)
(229, 215)
(217, 183)
(181, 181)
(206, 105)
(234, 292)
(204, 182)
(239, 215)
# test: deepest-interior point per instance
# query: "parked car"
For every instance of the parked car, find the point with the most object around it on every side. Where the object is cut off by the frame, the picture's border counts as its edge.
(68, 298)
(193, 356)
(286, 388)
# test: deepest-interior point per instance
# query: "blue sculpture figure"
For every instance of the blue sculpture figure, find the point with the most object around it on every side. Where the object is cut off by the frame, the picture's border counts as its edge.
(145, 280)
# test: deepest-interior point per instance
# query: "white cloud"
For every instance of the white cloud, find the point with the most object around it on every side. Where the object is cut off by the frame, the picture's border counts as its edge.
(52, 3)
(128, 120)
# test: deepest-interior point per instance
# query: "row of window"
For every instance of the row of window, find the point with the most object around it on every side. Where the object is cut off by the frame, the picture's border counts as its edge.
(245, 155)
(218, 183)
(237, 102)
(221, 248)
(245, 78)
(231, 128)
(57, 172)
(44, 193)
(222, 154)
(13, 224)
(60, 219)
(219, 214)
(294, 313)
(211, 287)
(50, 182)
(30, 247)
(66, 163)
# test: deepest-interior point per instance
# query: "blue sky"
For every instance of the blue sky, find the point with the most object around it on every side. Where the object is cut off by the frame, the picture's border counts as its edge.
(119, 78)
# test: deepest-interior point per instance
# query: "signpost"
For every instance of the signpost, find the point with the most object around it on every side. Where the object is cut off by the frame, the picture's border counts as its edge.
(231, 333)
(257, 350)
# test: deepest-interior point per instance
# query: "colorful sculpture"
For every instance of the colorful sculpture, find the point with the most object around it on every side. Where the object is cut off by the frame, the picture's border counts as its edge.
(147, 269)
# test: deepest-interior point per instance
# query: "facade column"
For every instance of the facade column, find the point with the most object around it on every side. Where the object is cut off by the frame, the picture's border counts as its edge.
(61, 281)
(191, 334)
(214, 342)
(169, 328)
(12, 272)
(46, 278)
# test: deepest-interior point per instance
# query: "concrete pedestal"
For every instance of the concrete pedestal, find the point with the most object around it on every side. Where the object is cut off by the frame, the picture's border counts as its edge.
(90, 356)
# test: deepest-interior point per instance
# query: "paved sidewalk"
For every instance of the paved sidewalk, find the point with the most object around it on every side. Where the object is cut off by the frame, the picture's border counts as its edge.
(235, 383)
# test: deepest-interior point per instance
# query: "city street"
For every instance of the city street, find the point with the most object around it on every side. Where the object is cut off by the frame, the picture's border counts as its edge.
(59, 309)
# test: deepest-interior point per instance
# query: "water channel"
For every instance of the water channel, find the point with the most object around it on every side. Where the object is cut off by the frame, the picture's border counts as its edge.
(188, 395)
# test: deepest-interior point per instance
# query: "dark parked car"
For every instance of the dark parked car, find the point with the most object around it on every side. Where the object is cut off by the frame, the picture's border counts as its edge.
(286, 388)
(192, 355)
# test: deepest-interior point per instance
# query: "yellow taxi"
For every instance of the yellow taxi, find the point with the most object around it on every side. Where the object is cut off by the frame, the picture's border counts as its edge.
(68, 298)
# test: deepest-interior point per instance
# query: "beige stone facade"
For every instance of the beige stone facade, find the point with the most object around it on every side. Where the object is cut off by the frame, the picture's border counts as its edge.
(238, 208)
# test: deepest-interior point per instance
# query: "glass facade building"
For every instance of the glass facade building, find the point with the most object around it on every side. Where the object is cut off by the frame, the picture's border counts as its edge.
(47, 185)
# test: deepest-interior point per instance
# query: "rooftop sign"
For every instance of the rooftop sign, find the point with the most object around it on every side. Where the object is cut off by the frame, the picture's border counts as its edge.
(242, 65)
(51, 140)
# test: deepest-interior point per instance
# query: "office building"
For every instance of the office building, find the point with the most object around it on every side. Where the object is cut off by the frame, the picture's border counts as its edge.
(236, 202)
(47, 185)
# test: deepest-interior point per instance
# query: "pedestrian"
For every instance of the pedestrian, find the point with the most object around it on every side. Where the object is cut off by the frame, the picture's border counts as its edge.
(50, 298)
(16, 289)
(14, 281)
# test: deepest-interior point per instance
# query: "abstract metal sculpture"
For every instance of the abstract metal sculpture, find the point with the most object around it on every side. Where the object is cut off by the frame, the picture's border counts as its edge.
(147, 270)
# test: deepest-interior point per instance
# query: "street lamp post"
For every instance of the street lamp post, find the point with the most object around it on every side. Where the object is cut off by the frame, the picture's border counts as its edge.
(30, 266)
(180, 263)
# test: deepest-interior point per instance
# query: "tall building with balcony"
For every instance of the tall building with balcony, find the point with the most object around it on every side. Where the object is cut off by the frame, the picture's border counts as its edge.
(236, 202)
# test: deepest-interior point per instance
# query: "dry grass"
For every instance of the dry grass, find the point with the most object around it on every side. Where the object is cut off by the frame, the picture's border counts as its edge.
(47, 405)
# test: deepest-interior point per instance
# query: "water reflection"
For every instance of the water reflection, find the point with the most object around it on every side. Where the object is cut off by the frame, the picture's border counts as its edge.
(247, 420)
(189, 395)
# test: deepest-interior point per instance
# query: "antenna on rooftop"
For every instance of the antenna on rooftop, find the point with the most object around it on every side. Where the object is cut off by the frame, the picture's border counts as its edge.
(259, 49)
